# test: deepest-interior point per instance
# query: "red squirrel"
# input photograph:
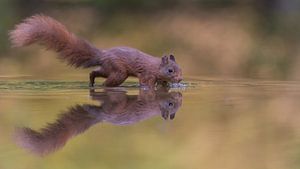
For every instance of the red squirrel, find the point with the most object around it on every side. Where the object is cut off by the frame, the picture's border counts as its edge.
(115, 64)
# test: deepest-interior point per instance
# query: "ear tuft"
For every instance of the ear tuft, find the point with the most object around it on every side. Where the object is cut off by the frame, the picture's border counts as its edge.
(164, 60)
(172, 116)
(172, 57)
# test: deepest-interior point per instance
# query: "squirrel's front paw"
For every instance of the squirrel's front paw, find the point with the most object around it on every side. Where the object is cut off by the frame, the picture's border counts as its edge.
(91, 85)
(144, 87)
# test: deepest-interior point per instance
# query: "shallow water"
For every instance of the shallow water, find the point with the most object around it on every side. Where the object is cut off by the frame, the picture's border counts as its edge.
(205, 123)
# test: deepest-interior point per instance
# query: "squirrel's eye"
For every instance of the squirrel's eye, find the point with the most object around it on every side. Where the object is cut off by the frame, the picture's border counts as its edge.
(171, 104)
(170, 70)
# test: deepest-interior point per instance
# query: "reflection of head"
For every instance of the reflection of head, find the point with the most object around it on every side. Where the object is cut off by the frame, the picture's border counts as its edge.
(116, 108)
(170, 105)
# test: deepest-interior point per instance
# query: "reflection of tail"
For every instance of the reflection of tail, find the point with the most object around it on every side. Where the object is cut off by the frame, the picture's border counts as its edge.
(55, 135)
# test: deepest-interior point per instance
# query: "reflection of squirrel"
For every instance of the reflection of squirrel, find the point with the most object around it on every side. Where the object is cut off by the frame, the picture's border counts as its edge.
(117, 108)
(115, 64)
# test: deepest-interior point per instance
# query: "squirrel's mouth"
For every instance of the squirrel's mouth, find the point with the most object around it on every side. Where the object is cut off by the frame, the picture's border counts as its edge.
(177, 80)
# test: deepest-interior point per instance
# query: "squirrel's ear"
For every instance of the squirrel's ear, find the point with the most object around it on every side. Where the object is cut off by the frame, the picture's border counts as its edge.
(172, 57)
(172, 116)
(164, 60)
(165, 114)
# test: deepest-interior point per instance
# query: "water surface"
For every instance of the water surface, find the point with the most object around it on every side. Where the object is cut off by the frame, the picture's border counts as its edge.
(210, 123)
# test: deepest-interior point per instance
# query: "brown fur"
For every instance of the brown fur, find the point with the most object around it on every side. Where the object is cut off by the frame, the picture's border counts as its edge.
(117, 108)
(115, 64)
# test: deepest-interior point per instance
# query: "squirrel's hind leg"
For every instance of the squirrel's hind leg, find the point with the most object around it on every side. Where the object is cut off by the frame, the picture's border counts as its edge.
(94, 74)
(115, 79)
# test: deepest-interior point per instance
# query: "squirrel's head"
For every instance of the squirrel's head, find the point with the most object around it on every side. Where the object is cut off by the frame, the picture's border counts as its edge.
(170, 70)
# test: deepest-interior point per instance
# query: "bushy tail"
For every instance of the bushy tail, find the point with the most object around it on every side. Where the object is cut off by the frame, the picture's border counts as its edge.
(53, 35)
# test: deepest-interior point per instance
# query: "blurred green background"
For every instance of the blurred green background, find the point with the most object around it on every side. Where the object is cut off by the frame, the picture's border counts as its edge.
(215, 38)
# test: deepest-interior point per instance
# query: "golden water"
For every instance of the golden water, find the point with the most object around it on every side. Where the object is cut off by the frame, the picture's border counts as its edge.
(224, 124)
